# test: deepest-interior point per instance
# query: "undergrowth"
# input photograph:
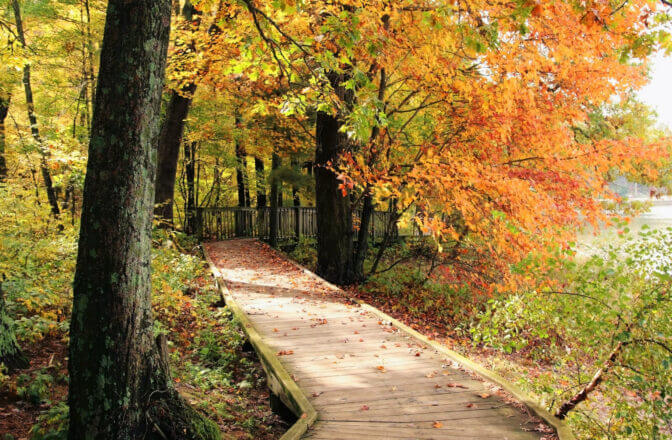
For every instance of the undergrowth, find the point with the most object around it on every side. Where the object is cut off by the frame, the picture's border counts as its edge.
(209, 367)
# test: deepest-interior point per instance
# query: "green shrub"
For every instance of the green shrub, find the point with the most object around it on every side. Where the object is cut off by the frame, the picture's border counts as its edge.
(305, 252)
(617, 300)
(52, 424)
(35, 389)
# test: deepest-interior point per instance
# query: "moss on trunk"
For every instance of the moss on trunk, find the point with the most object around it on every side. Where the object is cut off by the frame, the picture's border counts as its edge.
(120, 387)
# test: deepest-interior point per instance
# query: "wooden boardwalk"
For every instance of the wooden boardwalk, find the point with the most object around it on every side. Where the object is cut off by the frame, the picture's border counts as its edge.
(365, 378)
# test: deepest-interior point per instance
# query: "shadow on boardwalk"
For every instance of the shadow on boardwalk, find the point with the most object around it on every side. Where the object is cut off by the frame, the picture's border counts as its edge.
(366, 379)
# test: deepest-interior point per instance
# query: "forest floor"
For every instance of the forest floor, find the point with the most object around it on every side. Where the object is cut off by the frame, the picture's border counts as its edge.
(17, 413)
(31, 400)
(209, 364)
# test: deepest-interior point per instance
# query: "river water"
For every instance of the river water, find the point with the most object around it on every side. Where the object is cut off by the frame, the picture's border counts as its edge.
(659, 216)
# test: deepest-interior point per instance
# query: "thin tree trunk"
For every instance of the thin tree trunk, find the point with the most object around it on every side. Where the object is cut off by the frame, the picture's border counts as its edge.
(4, 109)
(120, 386)
(260, 176)
(241, 178)
(582, 395)
(241, 171)
(91, 80)
(295, 190)
(170, 139)
(363, 235)
(190, 174)
(84, 94)
(274, 220)
(367, 205)
(44, 167)
(334, 209)
(390, 234)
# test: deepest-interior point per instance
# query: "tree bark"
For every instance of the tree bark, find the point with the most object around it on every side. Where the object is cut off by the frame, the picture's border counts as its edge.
(296, 198)
(190, 174)
(241, 176)
(363, 235)
(32, 118)
(120, 387)
(274, 220)
(170, 139)
(597, 379)
(334, 209)
(11, 355)
(260, 176)
(4, 109)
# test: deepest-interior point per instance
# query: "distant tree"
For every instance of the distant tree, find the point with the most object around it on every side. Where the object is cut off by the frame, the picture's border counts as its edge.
(4, 109)
(172, 130)
(32, 118)
(120, 386)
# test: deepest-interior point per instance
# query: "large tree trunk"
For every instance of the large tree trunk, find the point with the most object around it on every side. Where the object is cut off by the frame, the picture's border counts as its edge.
(120, 386)
(4, 109)
(30, 104)
(170, 139)
(260, 176)
(334, 209)
(11, 355)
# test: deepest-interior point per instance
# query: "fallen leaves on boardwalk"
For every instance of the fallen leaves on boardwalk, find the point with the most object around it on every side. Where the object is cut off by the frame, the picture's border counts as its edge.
(352, 365)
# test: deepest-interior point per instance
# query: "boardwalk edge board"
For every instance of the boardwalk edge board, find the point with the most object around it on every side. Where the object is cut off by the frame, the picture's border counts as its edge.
(279, 380)
(561, 429)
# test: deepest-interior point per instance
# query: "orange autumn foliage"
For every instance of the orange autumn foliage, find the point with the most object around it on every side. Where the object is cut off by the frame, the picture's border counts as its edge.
(463, 111)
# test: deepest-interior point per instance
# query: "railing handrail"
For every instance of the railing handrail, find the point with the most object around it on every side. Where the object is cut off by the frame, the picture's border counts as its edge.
(221, 222)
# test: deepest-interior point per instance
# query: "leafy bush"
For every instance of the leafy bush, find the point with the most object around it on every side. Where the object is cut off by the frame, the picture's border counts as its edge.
(37, 255)
(509, 324)
(211, 350)
(52, 424)
(305, 252)
(610, 311)
(35, 390)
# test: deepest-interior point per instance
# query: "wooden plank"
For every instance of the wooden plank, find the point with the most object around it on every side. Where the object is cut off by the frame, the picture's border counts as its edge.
(342, 393)
(280, 381)
(346, 358)
(417, 401)
(503, 430)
